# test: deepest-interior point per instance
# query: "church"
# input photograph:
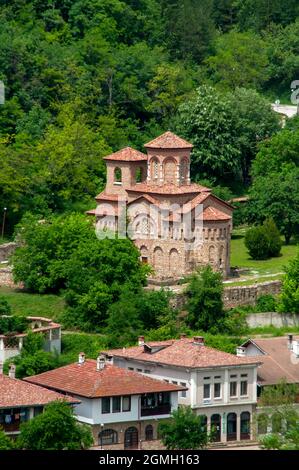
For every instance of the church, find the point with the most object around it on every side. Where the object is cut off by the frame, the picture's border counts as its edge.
(176, 225)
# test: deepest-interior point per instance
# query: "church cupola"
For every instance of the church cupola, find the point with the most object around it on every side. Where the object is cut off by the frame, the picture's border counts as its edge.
(168, 160)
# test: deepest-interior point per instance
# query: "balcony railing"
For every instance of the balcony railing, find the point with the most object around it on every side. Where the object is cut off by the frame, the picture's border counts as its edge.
(12, 427)
(156, 410)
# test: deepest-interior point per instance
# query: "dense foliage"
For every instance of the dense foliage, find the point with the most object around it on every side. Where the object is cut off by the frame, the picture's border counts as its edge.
(6, 442)
(290, 288)
(85, 78)
(12, 325)
(55, 429)
(263, 241)
(185, 430)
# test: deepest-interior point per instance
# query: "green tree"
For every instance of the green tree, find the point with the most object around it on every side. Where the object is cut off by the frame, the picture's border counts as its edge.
(5, 442)
(254, 121)
(273, 235)
(289, 299)
(256, 242)
(204, 300)
(207, 121)
(240, 60)
(54, 429)
(5, 308)
(185, 430)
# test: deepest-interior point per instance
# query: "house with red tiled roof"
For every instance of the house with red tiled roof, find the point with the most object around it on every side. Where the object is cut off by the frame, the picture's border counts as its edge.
(219, 386)
(123, 407)
(21, 401)
(177, 225)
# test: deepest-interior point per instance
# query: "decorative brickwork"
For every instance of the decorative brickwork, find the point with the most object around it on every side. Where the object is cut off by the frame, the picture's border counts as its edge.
(177, 225)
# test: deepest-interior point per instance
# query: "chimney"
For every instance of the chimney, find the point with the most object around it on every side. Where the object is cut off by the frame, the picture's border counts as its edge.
(1, 368)
(140, 340)
(290, 342)
(183, 336)
(12, 371)
(101, 362)
(199, 340)
(241, 352)
(81, 359)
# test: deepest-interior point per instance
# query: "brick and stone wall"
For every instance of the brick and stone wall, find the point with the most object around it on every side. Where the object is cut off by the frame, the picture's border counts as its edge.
(6, 250)
(248, 295)
(6, 278)
(233, 296)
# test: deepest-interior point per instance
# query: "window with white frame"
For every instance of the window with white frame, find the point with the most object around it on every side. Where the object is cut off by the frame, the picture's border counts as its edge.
(233, 389)
(183, 392)
(244, 388)
(207, 391)
(217, 390)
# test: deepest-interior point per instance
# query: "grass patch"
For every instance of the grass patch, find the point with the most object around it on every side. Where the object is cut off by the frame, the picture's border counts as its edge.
(259, 268)
(26, 304)
(272, 331)
(251, 282)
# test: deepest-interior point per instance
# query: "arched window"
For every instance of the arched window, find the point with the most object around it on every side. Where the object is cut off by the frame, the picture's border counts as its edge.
(211, 254)
(221, 257)
(169, 170)
(158, 258)
(144, 254)
(184, 171)
(131, 438)
(154, 169)
(145, 226)
(203, 423)
(138, 175)
(149, 432)
(173, 261)
(117, 175)
(245, 425)
(108, 437)
(262, 423)
(216, 427)
(231, 426)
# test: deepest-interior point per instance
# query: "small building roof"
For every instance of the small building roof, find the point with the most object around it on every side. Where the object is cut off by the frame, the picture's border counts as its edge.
(127, 154)
(15, 393)
(184, 352)
(212, 214)
(169, 140)
(276, 359)
(86, 381)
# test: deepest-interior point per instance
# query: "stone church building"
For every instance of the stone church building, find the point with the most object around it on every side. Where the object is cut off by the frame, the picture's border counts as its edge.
(177, 225)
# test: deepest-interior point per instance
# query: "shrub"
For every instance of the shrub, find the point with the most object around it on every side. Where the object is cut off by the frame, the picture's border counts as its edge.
(266, 303)
(273, 235)
(263, 241)
(257, 243)
(5, 308)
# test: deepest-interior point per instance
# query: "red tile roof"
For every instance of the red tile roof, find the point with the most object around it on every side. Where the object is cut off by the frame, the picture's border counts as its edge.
(211, 213)
(86, 381)
(277, 363)
(17, 393)
(103, 196)
(169, 140)
(166, 188)
(127, 154)
(184, 353)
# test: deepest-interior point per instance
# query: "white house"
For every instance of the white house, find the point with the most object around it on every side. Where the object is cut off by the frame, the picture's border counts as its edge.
(220, 386)
(122, 407)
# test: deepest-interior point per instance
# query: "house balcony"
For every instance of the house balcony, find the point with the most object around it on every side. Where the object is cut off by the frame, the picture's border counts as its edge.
(156, 410)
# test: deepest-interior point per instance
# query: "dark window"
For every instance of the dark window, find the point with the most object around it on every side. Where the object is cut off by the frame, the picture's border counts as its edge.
(233, 389)
(38, 410)
(217, 390)
(131, 368)
(116, 404)
(207, 391)
(244, 387)
(183, 392)
(108, 437)
(138, 175)
(117, 175)
(139, 370)
(146, 371)
(127, 403)
(216, 428)
(131, 438)
(245, 425)
(106, 405)
(149, 432)
(231, 426)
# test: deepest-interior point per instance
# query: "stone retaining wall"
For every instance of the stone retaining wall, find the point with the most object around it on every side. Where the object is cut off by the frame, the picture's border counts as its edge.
(272, 319)
(6, 250)
(248, 295)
